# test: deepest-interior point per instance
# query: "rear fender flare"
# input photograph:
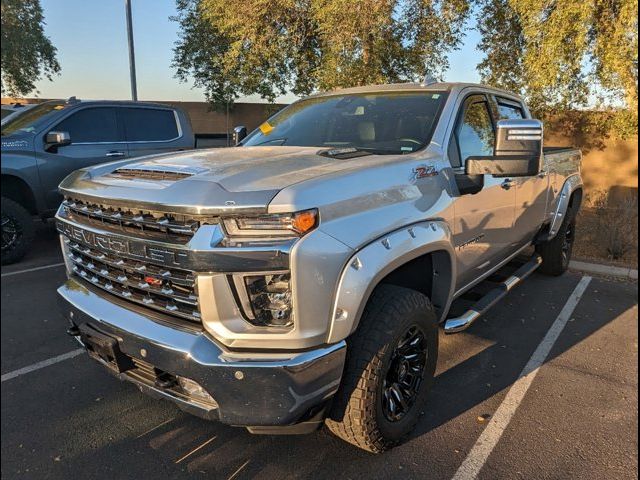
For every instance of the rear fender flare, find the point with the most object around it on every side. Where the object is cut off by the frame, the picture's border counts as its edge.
(571, 185)
(372, 263)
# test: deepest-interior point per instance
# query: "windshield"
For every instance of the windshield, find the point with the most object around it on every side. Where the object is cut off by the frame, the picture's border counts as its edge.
(383, 123)
(29, 120)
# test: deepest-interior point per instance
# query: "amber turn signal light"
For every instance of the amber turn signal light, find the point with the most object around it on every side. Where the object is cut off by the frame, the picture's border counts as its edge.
(304, 221)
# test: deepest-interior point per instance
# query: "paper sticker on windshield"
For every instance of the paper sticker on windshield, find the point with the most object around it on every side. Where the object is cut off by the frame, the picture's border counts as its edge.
(58, 107)
(266, 128)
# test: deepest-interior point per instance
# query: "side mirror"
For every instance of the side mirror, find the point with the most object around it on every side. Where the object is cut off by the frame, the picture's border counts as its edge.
(239, 134)
(518, 151)
(57, 139)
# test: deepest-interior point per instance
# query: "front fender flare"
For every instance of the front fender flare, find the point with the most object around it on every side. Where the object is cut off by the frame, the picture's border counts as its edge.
(369, 265)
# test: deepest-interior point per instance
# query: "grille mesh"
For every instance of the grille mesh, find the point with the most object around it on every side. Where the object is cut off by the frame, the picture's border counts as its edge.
(156, 226)
(169, 290)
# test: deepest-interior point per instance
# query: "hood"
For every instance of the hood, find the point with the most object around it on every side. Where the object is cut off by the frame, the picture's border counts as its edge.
(206, 181)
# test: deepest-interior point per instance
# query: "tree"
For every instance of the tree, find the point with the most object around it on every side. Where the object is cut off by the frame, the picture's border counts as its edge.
(27, 54)
(565, 55)
(271, 48)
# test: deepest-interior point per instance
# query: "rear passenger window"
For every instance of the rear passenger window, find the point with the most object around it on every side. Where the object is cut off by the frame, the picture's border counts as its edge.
(509, 111)
(91, 125)
(148, 124)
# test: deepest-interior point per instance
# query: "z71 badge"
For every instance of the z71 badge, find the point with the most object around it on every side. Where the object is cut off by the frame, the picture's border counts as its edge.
(424, 171)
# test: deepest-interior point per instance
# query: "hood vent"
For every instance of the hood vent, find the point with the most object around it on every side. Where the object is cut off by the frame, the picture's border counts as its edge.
(170, 173)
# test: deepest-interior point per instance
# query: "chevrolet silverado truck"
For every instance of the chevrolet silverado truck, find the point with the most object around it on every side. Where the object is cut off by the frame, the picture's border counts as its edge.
(301, 278)
(42, 144)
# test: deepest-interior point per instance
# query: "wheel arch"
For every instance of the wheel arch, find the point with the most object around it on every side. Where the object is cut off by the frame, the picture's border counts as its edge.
(419, 256)
(569, 201)
(19, 191)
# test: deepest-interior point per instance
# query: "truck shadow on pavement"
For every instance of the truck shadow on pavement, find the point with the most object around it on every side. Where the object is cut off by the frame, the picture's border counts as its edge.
(103, 428)
(473, 367)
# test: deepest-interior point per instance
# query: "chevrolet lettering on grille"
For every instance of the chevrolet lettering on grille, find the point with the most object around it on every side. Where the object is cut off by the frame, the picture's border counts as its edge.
(122, 246)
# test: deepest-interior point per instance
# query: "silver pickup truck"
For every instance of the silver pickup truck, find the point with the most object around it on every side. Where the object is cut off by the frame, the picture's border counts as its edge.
(301, 278)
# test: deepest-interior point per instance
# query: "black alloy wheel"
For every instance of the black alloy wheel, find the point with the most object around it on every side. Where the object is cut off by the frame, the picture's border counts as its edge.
(403, 379)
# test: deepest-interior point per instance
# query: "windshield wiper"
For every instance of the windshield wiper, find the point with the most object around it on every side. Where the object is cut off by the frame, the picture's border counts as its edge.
(282, 139)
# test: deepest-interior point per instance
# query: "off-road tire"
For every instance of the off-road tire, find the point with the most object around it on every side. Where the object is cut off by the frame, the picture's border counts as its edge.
(556, 253)
(15, 217)
(357, 413)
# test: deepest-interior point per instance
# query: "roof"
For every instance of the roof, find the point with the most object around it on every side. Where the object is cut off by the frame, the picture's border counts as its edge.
(399, 87)
(75, 102)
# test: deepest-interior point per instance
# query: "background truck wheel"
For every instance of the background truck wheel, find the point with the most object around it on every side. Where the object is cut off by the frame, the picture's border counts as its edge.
(556, 253)
(391, 360)
(17, 231)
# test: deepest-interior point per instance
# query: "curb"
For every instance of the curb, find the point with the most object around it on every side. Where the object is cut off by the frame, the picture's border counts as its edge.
(599, 269)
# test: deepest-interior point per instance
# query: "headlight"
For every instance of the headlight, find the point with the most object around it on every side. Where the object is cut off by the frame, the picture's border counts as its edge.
(272, 225)
(270, 299)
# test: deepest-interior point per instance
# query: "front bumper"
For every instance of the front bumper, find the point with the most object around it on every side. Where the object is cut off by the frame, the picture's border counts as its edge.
(250, 389)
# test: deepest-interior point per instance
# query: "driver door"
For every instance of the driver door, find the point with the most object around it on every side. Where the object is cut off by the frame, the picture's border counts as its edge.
(483, 222)
(96, 137)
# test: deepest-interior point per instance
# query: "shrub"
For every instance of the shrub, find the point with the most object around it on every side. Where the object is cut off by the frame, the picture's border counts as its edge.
(615, 221)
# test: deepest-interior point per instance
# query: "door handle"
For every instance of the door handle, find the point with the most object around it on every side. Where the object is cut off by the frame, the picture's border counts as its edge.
(115, 154)
(507, 183)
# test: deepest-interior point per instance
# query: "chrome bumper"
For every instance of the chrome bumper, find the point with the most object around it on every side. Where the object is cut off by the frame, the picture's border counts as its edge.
(251, 389)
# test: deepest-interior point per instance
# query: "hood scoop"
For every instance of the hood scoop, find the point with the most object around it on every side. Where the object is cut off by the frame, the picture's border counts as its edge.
(164, 172)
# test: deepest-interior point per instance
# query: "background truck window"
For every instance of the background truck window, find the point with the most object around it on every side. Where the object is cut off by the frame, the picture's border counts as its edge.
(91, 125)
(149, 125)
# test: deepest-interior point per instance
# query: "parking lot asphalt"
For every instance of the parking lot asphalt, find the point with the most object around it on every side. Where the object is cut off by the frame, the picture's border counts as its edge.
(578, 418)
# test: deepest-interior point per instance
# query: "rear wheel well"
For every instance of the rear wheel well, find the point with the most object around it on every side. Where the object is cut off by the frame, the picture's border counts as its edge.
(19, 191)
(575, 201)
(429, 274)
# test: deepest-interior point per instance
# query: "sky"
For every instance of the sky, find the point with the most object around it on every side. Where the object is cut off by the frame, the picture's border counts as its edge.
(91, 39)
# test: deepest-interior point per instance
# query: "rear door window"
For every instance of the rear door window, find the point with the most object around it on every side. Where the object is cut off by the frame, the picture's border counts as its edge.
(91, 125)
(149, 124)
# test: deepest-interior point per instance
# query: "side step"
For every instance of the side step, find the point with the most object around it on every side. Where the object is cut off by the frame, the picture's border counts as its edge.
(458, 324)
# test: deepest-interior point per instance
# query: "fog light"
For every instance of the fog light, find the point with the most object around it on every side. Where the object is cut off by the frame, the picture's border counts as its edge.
(195, 391)
(270, 298)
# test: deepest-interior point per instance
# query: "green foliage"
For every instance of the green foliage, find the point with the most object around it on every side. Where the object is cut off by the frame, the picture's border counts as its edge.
(27, 54)
(565, 55)
(560, 55)
(269, 48)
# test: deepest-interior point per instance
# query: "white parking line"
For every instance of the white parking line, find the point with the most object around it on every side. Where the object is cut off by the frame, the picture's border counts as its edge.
(42, 364)
(34, 269)
(489, 438)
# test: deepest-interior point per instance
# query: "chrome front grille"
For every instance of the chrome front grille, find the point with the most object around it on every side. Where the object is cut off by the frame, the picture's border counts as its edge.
(165, 227)
(165, 289)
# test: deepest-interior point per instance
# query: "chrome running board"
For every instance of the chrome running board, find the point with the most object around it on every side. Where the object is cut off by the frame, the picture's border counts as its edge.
(458, 324)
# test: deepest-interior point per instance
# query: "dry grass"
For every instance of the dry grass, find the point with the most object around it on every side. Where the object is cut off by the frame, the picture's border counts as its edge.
(607, 230)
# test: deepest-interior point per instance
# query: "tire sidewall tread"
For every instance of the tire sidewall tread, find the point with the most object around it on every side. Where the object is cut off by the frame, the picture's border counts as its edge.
(357, 412)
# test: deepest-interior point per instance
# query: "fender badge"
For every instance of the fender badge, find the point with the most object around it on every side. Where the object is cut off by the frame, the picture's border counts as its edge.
(424, 171)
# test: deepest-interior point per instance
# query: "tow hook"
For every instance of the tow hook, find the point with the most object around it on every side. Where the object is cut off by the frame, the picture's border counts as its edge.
(73, 331)
(165, 380)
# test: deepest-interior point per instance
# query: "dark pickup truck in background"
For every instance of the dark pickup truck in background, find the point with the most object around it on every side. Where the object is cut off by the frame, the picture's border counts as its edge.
(45, 143)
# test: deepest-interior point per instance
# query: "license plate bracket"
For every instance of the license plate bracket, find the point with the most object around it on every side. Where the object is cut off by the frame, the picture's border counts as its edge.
(105, 349)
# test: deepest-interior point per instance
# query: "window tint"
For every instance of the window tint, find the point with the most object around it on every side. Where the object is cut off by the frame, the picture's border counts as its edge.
(511, 112)
(475, 131)
(91, 125)
(148, 124)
